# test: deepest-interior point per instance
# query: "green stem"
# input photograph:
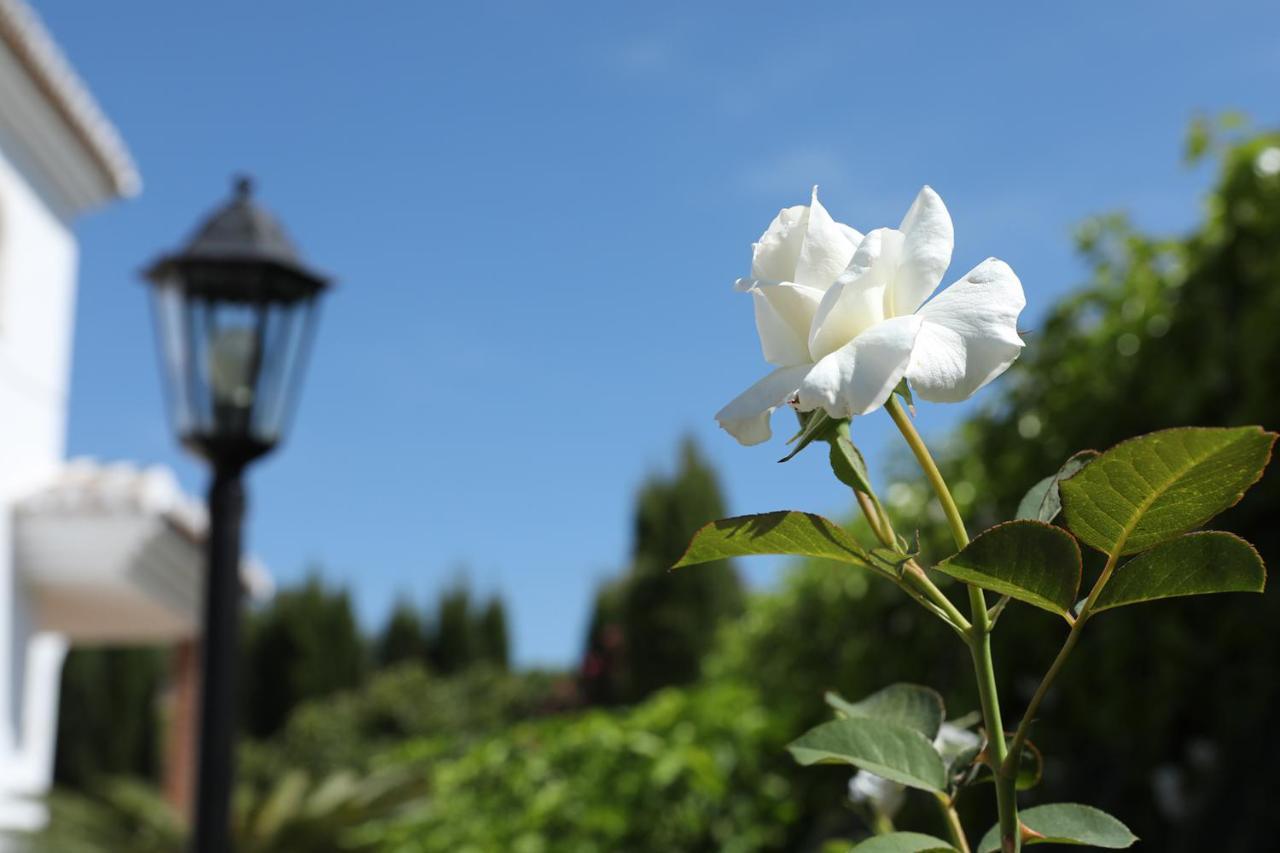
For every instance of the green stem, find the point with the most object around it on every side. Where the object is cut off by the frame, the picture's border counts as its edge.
(979, 636)
(930, 468)
(939, 599)
(914, 581)
(1073, 637)
(954, 828)
(984, 669)
(875, 518)
(881, 823)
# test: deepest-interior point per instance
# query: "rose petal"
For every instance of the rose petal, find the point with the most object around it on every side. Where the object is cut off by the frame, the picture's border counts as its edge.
(826, 250)
(926, 252)
(856, 301)
(746, 418)
(853, 234)
(775, 255)
(969, 334)
(860, 376)
(784, 313)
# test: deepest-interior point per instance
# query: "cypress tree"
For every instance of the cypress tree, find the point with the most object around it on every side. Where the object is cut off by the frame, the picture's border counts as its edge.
(403, 638)
(668, 620)
(492, 630)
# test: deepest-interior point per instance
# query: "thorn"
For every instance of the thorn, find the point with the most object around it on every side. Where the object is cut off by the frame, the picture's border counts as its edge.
(1029, 834)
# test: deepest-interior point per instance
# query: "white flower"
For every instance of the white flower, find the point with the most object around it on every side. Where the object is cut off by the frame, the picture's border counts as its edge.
(953, 740)
(843, 317)
(884, 796)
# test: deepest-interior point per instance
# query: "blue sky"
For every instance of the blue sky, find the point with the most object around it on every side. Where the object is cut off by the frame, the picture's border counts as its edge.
(536, 212)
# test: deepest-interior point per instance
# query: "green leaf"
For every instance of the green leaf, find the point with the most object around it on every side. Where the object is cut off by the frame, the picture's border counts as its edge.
(1030, 767)
(1043, 501)
(896, 752)
(911, 705)
(1027, 560)
(903, 842)
(813, 426)
(775, 533)
(1033, 500)
(1150, 489)
(847, 462)
(1067, 823)
(903, 390)
(1194, 564)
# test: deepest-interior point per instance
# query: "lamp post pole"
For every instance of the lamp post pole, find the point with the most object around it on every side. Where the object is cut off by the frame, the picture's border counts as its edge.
(235, 310)
(219, 653)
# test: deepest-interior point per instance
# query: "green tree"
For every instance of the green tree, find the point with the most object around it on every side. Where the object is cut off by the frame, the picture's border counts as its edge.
(403, 638)
(304, 644)
(454, 642)
(494, 642)
(666, 621)
(353, 729)
(464, 634)
(600, 674)
(109, 722)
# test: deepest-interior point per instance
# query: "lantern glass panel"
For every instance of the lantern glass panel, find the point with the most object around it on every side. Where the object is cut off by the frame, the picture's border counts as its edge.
(233, 361)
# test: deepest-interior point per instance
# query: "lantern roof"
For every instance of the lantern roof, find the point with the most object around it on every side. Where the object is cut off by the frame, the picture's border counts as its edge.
(240, 232)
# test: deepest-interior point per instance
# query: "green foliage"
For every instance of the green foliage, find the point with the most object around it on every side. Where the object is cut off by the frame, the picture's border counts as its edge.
(350, 730)
(847, 462)
(109, 720)
(303, 644)
(685, 770)
(1030, 767)
(814, 426)
(403, 638)
(294, 815)
(889, 733)
(1149, 489)
(828, 628)
(1027, 560)
(1043, 501)
(911, 705)
(796, 533)
(665, 623)
(1141, 493)
(603, 657)
(903, 842)
(454, 641)
(331, 814)
(123, 814)
(495, 642)
(894, 751)
(1067, 823)
(807, 637)
(1166, 331)
(1192, 564)
(463, 635)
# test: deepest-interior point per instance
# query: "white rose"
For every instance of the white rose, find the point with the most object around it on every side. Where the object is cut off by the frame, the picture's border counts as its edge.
(844, 318)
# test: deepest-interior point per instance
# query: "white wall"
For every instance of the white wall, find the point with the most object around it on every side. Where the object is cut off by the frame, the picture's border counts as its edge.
(37, 292)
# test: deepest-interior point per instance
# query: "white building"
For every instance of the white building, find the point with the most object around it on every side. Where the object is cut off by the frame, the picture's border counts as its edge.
(88, 553)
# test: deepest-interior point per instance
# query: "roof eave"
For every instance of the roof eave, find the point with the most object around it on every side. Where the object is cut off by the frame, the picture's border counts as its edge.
(69, 106)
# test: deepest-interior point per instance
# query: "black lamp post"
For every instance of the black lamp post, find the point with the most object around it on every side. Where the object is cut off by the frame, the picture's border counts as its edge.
(235, 310)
